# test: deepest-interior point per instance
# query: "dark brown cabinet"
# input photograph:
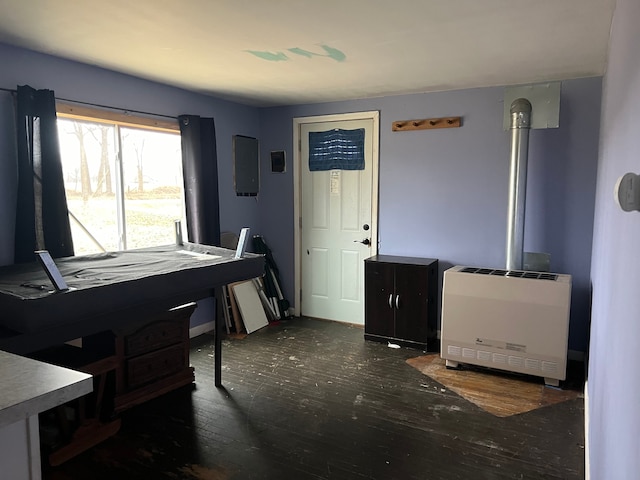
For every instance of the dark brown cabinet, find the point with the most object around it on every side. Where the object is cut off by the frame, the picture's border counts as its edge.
(400, 300)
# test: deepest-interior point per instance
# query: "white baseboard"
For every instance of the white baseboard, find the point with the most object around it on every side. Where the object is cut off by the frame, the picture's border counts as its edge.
(587, 470)
(202, 328)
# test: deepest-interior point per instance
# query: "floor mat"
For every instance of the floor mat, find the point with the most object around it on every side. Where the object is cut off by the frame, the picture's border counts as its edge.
(500, 393)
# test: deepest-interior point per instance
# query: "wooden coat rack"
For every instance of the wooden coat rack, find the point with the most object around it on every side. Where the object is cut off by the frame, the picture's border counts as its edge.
(426, 124)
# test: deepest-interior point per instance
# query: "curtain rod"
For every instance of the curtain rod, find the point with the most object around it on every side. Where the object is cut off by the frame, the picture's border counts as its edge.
(124, 110)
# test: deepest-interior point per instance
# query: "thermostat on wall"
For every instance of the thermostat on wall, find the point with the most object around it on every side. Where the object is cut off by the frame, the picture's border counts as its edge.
(278, 162)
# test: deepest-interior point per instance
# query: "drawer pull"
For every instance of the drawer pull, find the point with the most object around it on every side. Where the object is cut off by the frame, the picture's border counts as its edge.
(390, 300)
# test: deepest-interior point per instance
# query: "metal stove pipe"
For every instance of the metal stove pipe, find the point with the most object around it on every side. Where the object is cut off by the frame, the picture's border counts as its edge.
(520, 125)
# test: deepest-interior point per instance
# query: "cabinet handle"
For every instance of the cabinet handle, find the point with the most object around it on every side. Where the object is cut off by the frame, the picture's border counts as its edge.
(397, 301)
(390, 300)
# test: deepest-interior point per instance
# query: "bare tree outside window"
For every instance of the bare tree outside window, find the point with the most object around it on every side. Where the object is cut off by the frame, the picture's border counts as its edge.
(104, 185)
(151, 185)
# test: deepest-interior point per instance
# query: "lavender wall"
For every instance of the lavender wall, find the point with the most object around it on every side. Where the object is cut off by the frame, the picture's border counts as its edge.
(443, 193)
(614, 384)
(80, 82)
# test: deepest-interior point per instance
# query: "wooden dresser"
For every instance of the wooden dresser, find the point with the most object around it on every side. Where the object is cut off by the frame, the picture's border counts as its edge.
(152, 356)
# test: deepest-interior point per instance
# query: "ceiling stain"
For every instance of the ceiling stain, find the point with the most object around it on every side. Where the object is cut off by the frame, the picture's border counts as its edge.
(329, 52)
(270, 56)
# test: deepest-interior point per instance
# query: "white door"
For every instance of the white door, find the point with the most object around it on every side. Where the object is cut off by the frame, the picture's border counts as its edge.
(337, 226)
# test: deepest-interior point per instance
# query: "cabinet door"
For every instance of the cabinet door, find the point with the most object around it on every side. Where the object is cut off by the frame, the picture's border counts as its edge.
(379, 317)
(412, 302)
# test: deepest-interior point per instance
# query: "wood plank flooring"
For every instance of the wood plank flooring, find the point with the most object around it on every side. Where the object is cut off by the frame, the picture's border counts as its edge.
(498, 392)
(310, 399)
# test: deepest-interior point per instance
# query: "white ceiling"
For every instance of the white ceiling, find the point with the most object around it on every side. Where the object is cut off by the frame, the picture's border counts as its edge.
(282, 52)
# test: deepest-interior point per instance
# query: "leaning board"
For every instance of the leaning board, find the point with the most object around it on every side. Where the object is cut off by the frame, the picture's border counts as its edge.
(250, 306)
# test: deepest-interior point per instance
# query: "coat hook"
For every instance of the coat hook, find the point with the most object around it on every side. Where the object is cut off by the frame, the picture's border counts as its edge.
(426, 123)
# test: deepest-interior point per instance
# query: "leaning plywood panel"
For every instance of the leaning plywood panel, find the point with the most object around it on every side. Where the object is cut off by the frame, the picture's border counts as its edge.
(224, 302)
(250, 306)
(235, 313)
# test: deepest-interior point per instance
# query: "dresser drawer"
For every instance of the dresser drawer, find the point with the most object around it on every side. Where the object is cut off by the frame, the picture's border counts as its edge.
(154, 336)
(155, 365)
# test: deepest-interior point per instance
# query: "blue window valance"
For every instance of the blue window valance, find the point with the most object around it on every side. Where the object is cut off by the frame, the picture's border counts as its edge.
(336, 149)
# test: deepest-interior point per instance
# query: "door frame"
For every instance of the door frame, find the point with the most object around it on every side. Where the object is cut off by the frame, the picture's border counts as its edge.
(373, 115)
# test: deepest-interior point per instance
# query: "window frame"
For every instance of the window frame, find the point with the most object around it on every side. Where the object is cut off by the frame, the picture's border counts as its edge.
(117, 119)
(111, 117)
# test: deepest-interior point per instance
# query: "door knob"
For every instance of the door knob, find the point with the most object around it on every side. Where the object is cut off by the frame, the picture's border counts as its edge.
(366, 241)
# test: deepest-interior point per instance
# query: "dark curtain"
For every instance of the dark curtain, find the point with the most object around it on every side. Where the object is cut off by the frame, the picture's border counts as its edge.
(42, 219)
(200, 171)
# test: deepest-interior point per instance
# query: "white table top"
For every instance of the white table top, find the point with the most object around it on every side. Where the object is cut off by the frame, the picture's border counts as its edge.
(28, 387)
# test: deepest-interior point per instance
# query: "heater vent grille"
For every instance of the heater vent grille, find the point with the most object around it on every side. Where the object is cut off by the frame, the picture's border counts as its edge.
(493, 320)
(511, 273)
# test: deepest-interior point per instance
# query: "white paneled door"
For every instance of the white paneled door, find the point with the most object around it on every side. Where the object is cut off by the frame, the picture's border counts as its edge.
(338, 228)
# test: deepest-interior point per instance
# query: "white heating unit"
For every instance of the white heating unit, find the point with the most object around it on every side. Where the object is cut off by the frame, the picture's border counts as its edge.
(506, 319)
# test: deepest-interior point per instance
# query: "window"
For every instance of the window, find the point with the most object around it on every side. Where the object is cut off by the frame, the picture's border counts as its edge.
(123, 183)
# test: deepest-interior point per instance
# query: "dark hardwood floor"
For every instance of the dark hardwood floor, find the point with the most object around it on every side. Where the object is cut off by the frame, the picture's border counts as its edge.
(310, 399)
